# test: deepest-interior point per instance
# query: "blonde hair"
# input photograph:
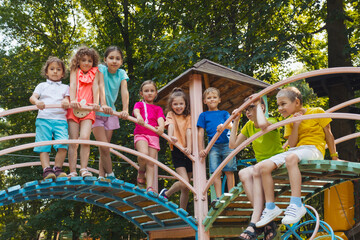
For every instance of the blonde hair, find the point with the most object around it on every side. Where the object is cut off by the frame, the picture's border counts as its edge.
(50, 60)
(178, 92)
(84, 51)
(209, 90)
(291, 93)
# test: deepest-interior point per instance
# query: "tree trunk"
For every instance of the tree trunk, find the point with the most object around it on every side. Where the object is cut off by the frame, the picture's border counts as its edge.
(338, 56)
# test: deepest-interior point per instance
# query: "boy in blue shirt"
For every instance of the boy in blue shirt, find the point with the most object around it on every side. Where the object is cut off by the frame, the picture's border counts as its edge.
(212, 121)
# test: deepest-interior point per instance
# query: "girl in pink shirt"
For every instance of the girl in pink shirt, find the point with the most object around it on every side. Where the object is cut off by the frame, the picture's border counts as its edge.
(145, 140)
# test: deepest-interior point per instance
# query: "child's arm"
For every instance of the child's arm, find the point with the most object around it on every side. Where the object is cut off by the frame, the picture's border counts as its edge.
(125, 99)
(160, 128)
(65, 103)
(171, 129)
(234, 140)
(138, 117)
(294, 136)
(34, 99)
(188, 148)
(72, 90)
(95, 90)
(330, 141)
(202, 152)
(102, 96)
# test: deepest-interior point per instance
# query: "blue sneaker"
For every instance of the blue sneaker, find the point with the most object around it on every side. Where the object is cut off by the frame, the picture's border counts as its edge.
(162, 193)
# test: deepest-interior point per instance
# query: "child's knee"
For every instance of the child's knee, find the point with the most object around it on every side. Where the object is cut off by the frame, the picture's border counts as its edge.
(291, 160)
(244, 175)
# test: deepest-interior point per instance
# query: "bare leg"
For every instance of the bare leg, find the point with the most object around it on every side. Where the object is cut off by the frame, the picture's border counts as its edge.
(246, 177)
(179, 186)
(150, 169)
(266, 168)
(60, 157)
(251, 180)
(85, 131)
(184, 196)
(44, 159)
(142, 147)
(105, 164)
(258, 201)
(217, 186)
(72, 154)
(230, 179)
(292, 166)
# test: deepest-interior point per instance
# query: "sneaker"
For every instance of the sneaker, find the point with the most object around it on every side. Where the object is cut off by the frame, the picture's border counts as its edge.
(110, 176)
(59, 172)
(49, 173)
(214, 202)
(268, 215)
(293, 214)
(162, 193)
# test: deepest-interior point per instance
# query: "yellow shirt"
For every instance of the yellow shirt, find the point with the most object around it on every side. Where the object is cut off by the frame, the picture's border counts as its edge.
(311, 131)
(181, 124)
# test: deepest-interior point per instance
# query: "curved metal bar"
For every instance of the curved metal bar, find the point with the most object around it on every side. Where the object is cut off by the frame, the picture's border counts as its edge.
(317, 221)
(28, 135)
(344, 104)
(45, 190)
(122, 156)
(277, 85)
(270, 128)
(17, 136)
(132, 119)
(101, 144)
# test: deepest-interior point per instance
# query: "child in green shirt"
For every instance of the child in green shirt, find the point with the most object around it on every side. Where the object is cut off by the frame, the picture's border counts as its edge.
(264, 147)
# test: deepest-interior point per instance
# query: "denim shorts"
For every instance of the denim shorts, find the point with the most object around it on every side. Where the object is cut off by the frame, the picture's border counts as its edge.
(46, 129)
(304, 152)
(217, 155)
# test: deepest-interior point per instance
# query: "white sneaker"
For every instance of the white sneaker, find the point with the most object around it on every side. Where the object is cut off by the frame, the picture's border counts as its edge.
(293, 214)
(268, 215)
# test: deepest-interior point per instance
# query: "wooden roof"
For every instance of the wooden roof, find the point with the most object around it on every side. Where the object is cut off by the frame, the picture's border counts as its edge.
(321, 83)
(234, 86)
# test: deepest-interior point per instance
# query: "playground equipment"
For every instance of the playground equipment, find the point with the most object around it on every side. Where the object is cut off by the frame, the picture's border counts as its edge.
(155, 216)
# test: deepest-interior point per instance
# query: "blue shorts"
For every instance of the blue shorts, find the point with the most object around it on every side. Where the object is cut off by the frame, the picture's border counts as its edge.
(46, 129)
(217, 155)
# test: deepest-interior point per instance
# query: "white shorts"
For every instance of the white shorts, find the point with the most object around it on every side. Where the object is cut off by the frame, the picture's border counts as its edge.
(304, 152)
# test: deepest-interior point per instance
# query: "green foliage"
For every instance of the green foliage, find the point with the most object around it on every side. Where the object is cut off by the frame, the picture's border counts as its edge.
(160, 40)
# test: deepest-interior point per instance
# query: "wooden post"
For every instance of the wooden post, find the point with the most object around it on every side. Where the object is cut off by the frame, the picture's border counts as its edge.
(199, 169)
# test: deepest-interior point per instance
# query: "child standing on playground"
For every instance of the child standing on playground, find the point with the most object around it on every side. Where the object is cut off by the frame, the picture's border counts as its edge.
(51, 122)
(264, 147)
(307, 139)
(84, 84)
(212, 121)
(113, 79)
(178, 123)
(145, 140)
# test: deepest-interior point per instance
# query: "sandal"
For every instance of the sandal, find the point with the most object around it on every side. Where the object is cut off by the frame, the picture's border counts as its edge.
(251, 235)
(141, 182)
(85, 173)
(270, 228)
(152, 192)
(72, 174)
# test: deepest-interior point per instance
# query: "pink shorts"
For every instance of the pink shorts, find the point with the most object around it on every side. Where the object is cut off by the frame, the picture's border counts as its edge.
(109, 123)
(153, 141)
(70, 115)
